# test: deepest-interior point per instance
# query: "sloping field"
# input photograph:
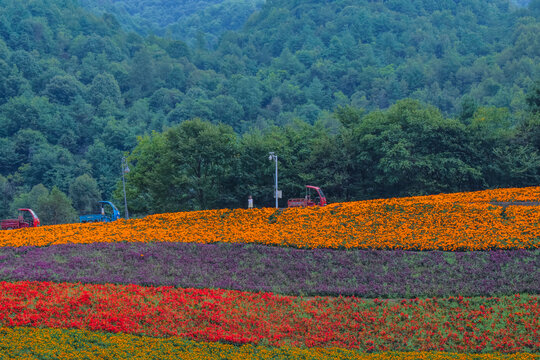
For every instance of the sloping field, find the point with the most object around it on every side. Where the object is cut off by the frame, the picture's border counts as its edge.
(459, 324)
(347, 281)
(282, 270)
(463, 221)
(36, 343)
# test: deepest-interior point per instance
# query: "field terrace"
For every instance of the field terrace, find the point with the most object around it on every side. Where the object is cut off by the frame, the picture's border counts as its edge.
(444, 276)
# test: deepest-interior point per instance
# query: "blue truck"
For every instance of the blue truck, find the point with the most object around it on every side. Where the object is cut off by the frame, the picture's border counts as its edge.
(108, 213)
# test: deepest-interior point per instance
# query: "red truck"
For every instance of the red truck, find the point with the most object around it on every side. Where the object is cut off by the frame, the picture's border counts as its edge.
(320, 199)
(27, 218)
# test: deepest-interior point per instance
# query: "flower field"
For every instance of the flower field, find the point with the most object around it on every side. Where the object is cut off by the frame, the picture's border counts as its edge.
(451, 276)
(288, 271)
(36, 343)
(441, 222)
(503, 324)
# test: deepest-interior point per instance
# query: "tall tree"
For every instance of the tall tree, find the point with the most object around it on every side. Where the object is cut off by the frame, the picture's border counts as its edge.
(411, 149)
(29, 199)
(56, 208)
(84, 193)
(190, 166)
(63, 89)
(533, 98)
(104, 86)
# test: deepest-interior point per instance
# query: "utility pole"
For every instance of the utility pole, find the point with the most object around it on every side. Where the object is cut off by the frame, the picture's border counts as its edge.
(274, 157)
(125, 170)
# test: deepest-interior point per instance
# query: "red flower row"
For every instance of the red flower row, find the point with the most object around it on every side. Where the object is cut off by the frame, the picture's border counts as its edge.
(506, 324)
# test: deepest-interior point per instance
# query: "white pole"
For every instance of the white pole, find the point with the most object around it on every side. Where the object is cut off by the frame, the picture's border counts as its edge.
(275, 157)
(124, 186)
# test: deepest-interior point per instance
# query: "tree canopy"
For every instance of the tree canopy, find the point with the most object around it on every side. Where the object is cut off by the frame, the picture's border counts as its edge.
(408, 149)
(364, 98)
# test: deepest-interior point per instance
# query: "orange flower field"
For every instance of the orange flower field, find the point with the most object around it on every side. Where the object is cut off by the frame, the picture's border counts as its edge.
(461, 221)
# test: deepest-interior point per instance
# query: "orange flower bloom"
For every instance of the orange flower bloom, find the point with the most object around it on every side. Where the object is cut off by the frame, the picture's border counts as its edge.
(460, 221)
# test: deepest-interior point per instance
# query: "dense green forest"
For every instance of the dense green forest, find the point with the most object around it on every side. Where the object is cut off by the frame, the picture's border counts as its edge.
(364, 98)
(197, 22)
(408, 149)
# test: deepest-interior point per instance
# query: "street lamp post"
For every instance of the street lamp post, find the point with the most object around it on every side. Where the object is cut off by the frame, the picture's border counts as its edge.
(274, 157)
(125, 170)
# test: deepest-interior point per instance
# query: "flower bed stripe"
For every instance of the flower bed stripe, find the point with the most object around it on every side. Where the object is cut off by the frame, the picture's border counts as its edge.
(20, 342)
(506, 324)
(443, 222)
(363, 273)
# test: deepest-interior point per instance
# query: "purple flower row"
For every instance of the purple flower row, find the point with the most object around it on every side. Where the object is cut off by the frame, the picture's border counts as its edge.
(364, 273)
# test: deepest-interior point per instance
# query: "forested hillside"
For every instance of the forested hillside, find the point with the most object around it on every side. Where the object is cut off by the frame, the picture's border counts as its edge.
(309, 56)
(75, 91)
(77, 88)
(198, 22)
(374, 53)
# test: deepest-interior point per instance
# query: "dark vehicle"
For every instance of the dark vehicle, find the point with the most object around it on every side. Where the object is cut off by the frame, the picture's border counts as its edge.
(27, 218)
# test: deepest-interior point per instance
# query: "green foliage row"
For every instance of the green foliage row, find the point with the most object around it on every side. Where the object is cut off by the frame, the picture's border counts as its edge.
(409, 149)
(54, 206)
